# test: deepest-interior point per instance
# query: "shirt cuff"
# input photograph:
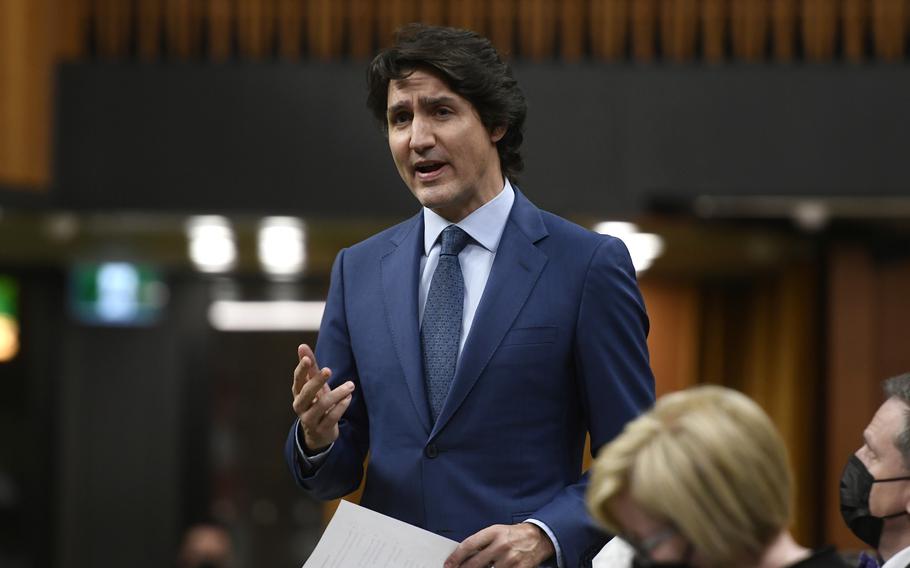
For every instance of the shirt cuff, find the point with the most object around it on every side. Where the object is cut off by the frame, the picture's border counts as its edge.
(310, 463)
(552, 537)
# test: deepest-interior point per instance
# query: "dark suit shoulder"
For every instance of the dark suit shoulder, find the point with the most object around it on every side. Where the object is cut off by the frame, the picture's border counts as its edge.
(583, 240)
(394, 234)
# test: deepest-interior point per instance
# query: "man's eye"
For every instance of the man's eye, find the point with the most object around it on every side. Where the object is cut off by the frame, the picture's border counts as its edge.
(399, 118)
(442, 111)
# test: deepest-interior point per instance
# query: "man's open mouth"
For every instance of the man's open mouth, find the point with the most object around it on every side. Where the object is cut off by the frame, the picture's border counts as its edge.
(428, 167)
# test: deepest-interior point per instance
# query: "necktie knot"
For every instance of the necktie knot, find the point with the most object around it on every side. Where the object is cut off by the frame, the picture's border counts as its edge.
(454, 239)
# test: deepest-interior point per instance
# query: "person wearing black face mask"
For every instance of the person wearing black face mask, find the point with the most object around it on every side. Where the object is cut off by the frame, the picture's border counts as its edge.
(875, 484)
(701, 480)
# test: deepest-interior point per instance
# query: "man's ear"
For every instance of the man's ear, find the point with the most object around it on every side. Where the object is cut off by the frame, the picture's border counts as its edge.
(497, 133)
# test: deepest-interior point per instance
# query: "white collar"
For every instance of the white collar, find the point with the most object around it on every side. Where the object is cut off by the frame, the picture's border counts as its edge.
(485, 224)
(900, 559)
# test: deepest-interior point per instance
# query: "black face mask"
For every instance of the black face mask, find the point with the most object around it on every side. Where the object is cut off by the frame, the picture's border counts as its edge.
(855, 486)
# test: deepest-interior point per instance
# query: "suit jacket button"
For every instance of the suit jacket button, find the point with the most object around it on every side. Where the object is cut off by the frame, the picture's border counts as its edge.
(431, 451)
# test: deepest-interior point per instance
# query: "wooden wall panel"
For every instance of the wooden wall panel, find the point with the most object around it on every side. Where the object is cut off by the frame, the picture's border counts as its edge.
(27, 51)
(678, 29)
(361, 28)
(749, 29)
(644, 30)
(674, 338)
(289, 23)
(854, 15)
(714, 30)
(853, 391)
(572, 29)
(609, 24)
(148, 29)
(71, 28)
(502, 26)
(325, 37)
(783, 29)
(433, 12)
(889, 28)
(819, 29)
(255, 27)
(220, 29)
(467, 14)
(112, 25)
(391, 15)
(537, 28)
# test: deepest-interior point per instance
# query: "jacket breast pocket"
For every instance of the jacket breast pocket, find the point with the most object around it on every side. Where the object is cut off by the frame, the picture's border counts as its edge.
(540, 335)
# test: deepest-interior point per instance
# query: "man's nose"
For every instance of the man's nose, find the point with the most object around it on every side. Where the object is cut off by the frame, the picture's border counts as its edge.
(422, 137)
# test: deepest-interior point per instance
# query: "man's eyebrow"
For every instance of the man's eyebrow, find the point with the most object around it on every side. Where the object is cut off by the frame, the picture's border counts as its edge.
(401, 105)
(434, 101)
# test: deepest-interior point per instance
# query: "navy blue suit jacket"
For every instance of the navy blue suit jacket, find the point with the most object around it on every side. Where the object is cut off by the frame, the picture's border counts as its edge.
(557, 349)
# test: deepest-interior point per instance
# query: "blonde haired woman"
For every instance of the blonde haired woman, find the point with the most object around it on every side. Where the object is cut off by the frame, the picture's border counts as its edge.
(701, 480)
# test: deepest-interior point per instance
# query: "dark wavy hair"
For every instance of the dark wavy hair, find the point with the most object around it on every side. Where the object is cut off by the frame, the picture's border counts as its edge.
(470, 66)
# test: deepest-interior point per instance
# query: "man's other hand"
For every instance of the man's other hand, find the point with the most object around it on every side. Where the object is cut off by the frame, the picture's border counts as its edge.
(318, 407)
(523, 545)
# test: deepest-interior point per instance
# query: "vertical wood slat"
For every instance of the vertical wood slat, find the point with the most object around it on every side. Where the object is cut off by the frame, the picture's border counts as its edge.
(819, 29)
(714, 30)
(220, 29)
(182, 21)
(783, 28)
(361, 17)
(678, 28)
(749, 29)
(536, 28)
(889, 27)
(26, 62)
(112, 25)
(255, 27)
(502, 26)
(148, 29)
(644, 30)
(71, 28)
(391, 15)
(854, 18)
(467, 14)
(324, 28)
(572, 29)
(289, 26)
(609, 23)
(432, 12)
(852, 387)
(674, 338)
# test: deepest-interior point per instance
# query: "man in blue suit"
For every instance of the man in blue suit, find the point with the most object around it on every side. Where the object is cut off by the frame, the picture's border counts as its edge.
(470, 348)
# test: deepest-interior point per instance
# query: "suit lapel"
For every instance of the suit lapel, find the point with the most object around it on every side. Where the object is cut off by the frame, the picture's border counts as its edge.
(400, 268)
(515, 271)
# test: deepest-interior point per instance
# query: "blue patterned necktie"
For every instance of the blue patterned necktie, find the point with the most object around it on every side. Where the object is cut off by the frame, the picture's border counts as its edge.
(440, 332)
(866, 561)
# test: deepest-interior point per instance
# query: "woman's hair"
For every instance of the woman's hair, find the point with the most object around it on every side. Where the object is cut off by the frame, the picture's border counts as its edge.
(707, 461)
(470, 66)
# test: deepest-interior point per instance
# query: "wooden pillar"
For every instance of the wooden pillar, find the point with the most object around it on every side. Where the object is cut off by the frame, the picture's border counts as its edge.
(853, 392)
(27, 51)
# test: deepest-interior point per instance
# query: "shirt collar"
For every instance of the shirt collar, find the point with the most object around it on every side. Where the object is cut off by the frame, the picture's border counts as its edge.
(485, 225)
(900, 559)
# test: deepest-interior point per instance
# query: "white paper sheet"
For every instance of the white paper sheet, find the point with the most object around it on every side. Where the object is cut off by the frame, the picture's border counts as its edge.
(358, 537)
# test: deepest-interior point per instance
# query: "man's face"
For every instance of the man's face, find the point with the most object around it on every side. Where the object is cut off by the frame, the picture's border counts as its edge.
(442, 150)
(883, 460)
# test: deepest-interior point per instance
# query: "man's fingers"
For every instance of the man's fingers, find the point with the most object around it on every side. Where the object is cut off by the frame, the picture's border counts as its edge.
(314, 385)
(471, 549)
(316, 409)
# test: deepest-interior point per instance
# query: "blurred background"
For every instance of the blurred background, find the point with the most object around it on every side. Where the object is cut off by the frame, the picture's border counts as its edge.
(176, 177)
